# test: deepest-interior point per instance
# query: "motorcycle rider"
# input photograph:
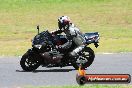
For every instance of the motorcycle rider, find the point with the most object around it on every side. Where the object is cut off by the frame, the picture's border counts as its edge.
(72, 34)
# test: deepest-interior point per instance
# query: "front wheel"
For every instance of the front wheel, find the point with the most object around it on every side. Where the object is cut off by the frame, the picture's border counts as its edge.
(85, 58)
(29, 62)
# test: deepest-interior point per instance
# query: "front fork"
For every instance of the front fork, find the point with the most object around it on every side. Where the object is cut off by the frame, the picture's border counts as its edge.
(35, 54)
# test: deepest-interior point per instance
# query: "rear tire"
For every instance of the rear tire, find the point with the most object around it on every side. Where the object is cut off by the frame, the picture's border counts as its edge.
(29, 62)
(90, 59)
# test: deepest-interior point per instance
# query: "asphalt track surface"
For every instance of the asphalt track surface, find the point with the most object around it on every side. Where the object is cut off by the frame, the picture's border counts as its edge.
(12, 75)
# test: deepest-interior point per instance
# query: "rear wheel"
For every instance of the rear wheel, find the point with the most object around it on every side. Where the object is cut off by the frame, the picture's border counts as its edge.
(85, 58)
(29, 62)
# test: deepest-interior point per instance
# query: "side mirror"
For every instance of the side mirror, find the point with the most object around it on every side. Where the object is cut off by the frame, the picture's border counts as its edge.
(38, 28)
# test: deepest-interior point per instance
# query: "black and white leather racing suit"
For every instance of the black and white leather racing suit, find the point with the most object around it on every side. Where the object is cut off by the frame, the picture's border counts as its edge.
(73, 34)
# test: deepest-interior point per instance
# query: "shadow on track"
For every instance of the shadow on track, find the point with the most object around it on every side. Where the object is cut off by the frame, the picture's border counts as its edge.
(50, 70)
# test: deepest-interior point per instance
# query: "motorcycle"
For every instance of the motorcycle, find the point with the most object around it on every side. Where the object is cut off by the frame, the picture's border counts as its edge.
(44, 52)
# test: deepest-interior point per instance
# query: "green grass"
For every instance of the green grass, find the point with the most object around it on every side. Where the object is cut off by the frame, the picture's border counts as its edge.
(85, 86)
(111, 18)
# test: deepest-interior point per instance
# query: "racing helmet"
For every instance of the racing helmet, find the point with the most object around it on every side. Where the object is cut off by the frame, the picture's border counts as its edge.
(63, 22)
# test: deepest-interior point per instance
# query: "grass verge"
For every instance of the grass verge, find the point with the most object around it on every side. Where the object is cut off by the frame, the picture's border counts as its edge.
(86, 86)
(111, 18)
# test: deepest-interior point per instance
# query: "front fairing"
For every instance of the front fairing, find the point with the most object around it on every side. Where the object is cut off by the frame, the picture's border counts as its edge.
(41, 40)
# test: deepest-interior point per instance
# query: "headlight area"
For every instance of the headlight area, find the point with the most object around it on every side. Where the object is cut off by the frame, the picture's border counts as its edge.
(37, 46)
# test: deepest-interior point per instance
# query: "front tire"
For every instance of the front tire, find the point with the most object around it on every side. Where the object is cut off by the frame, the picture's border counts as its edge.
(90, 58)
(29, 62)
